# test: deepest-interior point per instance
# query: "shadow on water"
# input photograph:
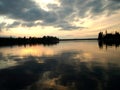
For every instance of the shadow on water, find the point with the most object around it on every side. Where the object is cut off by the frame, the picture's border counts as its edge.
(28, 44)
(60, 72)
(102, 43)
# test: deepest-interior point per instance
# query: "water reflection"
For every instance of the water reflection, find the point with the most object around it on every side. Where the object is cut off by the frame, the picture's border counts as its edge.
(78, 65)
(107, 44)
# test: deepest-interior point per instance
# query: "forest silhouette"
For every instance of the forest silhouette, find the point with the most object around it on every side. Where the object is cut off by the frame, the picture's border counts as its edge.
(45, 40)
(109, 39)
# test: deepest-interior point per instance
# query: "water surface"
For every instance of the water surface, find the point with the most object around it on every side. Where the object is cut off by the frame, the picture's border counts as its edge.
(69, 65)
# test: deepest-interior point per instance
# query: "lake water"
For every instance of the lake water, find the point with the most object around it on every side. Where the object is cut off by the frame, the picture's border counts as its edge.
(69, 65)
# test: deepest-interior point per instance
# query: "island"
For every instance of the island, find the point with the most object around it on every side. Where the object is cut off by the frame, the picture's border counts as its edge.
(109, 39)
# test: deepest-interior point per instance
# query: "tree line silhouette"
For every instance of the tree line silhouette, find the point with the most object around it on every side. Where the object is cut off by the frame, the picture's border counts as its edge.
(46, 40)
(109, 39)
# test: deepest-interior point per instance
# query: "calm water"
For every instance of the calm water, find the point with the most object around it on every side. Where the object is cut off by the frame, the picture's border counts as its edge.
(70, 65)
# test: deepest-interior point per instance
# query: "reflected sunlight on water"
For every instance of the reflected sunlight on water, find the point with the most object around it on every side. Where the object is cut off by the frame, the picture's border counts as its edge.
(36, 50)
(69, 65)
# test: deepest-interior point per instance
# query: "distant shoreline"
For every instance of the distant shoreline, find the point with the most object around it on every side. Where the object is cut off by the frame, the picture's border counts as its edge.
(78, 39)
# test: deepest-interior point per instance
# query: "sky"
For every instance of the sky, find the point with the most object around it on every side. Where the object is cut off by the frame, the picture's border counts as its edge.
(61, 18)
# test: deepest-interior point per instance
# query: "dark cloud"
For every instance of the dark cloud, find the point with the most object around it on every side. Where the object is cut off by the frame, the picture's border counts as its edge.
(14, 24)
(67, 26)
(92, 7)
(2, 25)
(113, 5)
(26, 10)
(59, 16)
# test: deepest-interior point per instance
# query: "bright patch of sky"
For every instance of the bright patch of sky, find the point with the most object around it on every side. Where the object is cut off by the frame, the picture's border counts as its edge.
(43, 3)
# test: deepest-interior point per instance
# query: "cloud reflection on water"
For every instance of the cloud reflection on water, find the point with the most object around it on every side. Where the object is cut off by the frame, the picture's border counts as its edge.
(67, 69)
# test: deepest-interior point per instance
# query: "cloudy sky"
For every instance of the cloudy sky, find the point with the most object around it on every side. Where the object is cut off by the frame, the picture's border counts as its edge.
(61, 18)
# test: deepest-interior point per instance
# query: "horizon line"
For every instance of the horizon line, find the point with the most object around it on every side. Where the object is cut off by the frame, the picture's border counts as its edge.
(78, 39)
